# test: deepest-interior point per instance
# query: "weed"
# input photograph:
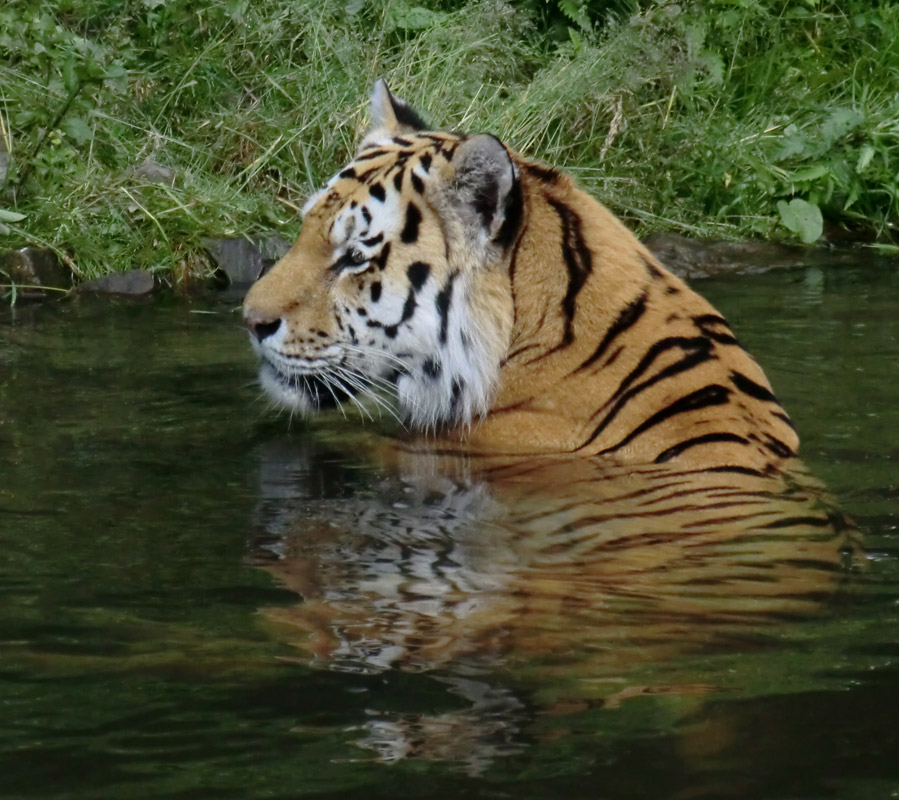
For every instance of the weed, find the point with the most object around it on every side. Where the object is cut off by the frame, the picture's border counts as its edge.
(131, 131)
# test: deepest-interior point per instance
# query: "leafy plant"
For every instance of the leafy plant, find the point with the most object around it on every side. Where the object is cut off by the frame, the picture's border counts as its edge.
(715, 117)
(9, 216)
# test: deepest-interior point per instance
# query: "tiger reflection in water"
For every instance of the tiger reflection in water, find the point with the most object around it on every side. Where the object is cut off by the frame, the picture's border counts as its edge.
(597, 474)
(577, 584)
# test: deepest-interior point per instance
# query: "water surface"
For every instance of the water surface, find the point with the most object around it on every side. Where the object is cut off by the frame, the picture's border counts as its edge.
(159, 527)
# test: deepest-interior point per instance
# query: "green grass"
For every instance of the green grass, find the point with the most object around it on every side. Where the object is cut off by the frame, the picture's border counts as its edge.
(723, 118)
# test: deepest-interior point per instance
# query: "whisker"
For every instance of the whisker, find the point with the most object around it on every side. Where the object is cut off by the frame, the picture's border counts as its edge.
(326, 379)
(353, 399)
(373, 352)
(358, 382)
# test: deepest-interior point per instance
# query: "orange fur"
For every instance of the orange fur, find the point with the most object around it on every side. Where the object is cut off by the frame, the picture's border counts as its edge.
(566, 335)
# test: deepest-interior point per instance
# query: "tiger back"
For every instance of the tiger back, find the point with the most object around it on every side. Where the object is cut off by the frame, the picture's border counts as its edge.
(506, 310)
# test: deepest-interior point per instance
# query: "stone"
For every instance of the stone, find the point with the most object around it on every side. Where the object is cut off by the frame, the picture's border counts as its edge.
(697, 258)
(34, 268)
(152, 172)
(239, 262)
(134, 282)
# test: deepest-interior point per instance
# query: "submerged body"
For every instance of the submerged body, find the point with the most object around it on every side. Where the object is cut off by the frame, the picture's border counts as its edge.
(509, 311)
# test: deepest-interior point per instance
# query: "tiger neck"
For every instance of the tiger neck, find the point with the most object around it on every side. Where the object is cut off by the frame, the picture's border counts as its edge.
(573, 269)
(611, 355)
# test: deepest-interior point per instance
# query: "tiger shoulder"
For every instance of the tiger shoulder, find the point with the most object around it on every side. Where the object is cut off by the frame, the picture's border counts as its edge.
(506, 311)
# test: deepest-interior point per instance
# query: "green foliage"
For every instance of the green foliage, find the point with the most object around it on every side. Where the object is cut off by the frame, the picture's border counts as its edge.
(724, 110)
(714, 117)
(802, 218)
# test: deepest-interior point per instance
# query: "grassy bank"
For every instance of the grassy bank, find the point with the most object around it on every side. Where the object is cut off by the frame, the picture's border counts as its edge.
(136, 128)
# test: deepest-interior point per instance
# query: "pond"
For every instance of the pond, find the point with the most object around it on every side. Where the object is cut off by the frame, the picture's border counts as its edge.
(177, 558)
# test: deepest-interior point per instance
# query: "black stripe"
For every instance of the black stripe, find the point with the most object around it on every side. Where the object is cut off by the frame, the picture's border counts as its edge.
(706, 323)
(375, 290)
(413, 220)
(408, 311)
(628, 317)
(486, 198)
(442, 304)
(514, 407)
(380, 260)
(651, 268)
(578, 261)
(542, 173)
(364, 175)
(418, 272)
(783, 418)
(696, 350)
(408, 307)
(751, 388)
(517, 352)
(458, 388)
(614, 357)
(425, 161)
(376, 190)
(739, 516)
(368, 155)
(366, 215)
(398, 180)
(755, 473)
(712, 395)
(405, 115)
(709, 319)
(693, 356)
(417, 183)
(349, 172)
(373, 240)
(431, 368)
(677, 449)
(513, 213)
(777, 447)
(786, 522)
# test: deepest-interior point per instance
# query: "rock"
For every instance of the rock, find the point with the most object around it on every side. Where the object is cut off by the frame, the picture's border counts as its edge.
(134, 282)
(152, 172)
(239, 262)
(35, 267)
(695, 258)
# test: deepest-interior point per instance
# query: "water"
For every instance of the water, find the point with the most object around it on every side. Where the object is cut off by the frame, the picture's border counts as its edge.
(158, 525)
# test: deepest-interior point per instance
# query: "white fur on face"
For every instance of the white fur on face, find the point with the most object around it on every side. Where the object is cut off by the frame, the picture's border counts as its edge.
(440, 357)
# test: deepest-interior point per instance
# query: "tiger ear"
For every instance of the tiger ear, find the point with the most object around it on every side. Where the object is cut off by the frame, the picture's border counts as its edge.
(391, 116)
(485, 190)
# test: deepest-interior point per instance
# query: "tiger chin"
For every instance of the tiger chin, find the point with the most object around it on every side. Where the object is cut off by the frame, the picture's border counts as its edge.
(506, 310)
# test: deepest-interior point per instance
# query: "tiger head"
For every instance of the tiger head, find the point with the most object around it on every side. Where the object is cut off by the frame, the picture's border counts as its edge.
(397, 279)
(506, 309)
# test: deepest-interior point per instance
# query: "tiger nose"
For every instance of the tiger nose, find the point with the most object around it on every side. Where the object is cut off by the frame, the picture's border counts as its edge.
(262, 328)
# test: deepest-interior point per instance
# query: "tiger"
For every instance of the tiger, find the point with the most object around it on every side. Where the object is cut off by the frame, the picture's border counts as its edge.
(507, 312)
(597, 477)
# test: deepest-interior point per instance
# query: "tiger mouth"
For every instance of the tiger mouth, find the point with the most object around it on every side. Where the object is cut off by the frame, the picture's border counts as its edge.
(302, 391)
(321, 394)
